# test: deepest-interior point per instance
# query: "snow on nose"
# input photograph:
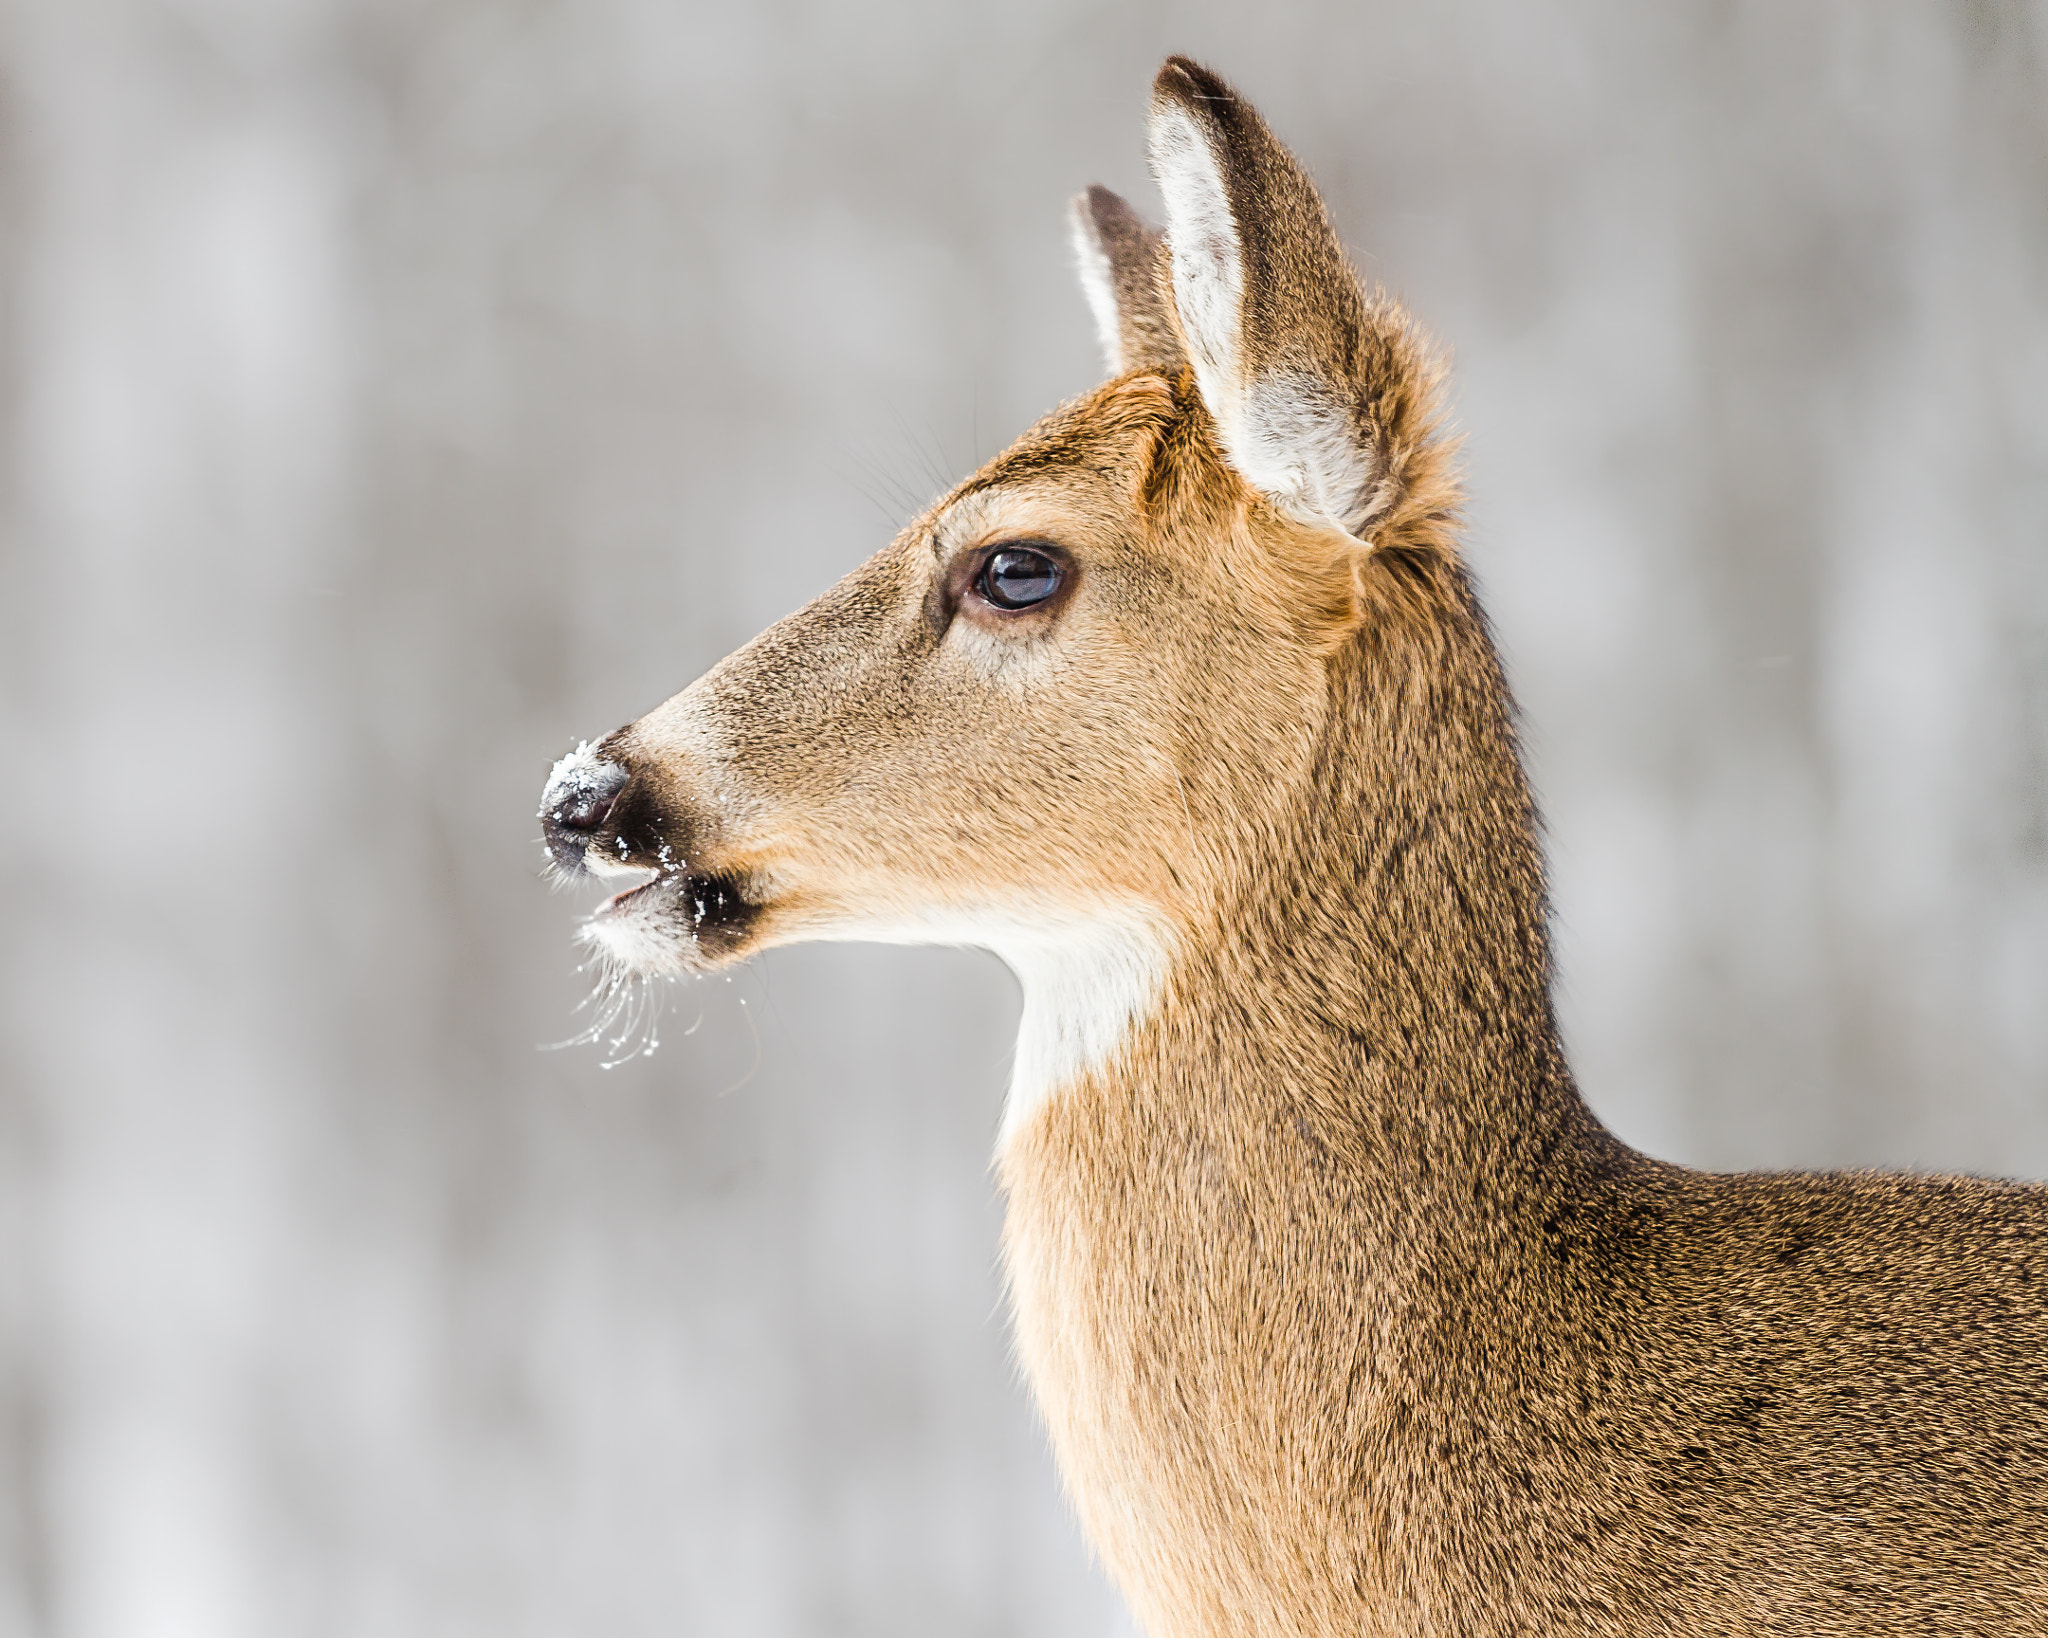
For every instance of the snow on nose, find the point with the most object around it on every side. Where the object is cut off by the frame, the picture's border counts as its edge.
(577, 801)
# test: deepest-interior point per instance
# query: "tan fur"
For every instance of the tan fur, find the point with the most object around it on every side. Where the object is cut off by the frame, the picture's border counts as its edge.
(1345, 1315)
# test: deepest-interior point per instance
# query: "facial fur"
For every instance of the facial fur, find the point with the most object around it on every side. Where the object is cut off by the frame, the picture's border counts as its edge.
(901, 760)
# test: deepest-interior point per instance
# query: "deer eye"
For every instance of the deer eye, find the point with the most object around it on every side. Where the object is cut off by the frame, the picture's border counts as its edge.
(1017, 577)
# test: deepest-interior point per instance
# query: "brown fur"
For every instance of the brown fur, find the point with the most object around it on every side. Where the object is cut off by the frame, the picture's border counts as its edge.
(1345, 1314)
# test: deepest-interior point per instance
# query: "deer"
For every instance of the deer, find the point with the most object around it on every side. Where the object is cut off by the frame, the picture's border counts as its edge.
(1343, 1312)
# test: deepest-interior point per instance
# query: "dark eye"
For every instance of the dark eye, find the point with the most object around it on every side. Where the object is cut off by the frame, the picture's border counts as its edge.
(1017, 577)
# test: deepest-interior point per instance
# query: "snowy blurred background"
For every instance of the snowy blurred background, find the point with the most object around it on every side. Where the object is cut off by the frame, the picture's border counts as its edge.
(394, 391)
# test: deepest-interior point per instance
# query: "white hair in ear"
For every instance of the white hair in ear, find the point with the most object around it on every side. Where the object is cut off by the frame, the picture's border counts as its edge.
(1208, 262)
(1284, 429)
(1296, 442)
(1098, 283)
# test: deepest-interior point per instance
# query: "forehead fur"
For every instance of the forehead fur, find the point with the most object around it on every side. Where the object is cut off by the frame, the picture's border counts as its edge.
(1140, 457)
(1140, 448)
(1111, 433)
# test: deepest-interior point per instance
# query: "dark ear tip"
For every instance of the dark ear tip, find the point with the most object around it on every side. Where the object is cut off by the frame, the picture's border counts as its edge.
(1187, 80)
(1108, 210)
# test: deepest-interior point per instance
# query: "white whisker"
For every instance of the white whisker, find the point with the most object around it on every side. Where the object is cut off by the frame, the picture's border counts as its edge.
(625, 1007)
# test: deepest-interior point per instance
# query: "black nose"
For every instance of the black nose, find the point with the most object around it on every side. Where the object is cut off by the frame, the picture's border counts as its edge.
(577, 802)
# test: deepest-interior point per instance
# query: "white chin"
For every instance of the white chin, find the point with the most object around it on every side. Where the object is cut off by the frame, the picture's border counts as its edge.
(647, 936)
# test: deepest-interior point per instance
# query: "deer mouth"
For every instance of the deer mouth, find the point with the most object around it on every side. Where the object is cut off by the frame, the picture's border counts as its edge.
(622, 903)
(677, 921)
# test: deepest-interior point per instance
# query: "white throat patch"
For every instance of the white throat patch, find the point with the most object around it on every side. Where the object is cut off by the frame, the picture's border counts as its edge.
(1083, 994)
(1087, 980)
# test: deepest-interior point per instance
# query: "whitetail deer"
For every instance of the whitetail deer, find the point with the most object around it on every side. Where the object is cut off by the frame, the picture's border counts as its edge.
(1346, 1316)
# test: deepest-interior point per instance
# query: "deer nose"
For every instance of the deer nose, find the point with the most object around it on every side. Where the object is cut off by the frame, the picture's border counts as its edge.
(579, 798)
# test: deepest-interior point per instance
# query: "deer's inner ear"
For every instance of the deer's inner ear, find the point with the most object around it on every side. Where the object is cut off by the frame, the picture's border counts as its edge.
(1207, 255)
(1265, 302)
(1121, 262)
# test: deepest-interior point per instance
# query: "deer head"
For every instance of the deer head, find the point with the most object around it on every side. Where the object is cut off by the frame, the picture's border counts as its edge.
(1063, 713)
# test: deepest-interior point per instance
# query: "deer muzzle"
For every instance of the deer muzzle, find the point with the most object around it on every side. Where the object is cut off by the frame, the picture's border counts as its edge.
(581, 793)
(606, 811)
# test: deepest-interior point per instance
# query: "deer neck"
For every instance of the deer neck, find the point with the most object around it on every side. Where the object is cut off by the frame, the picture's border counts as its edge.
(1305, 1193)
(1373, 996)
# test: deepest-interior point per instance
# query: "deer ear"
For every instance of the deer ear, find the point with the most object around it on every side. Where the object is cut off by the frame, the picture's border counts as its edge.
(1122, 265)
(1266, 304)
